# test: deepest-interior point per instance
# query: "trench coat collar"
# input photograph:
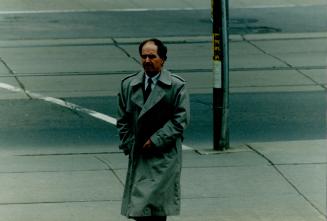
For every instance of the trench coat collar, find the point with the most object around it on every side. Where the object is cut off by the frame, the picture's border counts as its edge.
(156, 95)
(164, 78)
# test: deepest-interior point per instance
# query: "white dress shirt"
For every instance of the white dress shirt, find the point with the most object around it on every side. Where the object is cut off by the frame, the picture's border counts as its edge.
(154, 81)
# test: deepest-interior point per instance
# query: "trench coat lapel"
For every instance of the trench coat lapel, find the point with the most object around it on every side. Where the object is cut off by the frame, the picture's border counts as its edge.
(137, 95)
(158, 92)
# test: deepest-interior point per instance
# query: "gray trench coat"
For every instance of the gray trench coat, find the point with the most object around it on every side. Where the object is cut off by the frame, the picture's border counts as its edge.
(152, 186)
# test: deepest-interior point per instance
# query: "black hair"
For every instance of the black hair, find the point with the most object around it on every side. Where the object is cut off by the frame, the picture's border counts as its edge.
(162, 49)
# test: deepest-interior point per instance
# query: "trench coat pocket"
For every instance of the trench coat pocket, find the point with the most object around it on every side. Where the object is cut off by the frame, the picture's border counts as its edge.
(127, 146)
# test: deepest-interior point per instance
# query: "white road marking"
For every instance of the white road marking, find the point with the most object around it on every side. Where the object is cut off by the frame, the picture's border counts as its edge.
(187, 147)
(10, 87)
(75, 107)
(62, 103)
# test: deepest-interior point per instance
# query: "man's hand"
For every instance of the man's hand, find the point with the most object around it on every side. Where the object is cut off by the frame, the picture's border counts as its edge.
(148, 144)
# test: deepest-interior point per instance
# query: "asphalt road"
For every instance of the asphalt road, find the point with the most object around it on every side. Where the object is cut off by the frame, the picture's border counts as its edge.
(106, 24)
(287, 116)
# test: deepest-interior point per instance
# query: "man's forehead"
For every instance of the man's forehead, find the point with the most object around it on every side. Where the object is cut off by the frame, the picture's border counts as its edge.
(150, 46)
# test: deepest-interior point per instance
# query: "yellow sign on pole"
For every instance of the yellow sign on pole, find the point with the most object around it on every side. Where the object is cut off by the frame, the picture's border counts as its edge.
(216, 47)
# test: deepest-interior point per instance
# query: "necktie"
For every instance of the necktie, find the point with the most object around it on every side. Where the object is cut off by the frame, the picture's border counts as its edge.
(148, 89)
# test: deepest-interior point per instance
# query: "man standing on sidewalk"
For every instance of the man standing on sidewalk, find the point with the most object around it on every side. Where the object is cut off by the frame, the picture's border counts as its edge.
(153, 111)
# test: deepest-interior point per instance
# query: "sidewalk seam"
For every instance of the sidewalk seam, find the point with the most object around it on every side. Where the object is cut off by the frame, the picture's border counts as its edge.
(286, 63)
(12, 73)
(287, 180)
(7, 43)
(188, 71)
(110, 168)
(116, 44)
(57, 202)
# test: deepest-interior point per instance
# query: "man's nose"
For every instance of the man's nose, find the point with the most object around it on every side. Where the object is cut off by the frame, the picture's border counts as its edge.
(147, 59)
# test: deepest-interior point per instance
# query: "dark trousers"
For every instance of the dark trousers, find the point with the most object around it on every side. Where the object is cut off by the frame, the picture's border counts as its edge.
(151, 218)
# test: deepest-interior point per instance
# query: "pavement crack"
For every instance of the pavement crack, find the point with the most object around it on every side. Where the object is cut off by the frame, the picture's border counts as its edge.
(290, 66)
(51, 171)
(309, 77)
(125, 51)
(297, 190)
(184, 71)
(110, 168)
(69, 154)
(57, 202)
(12, 73)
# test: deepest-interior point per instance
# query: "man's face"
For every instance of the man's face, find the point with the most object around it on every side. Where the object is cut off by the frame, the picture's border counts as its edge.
(150, 59)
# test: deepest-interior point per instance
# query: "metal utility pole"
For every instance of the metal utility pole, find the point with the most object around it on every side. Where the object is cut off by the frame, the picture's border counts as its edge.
(220, 74)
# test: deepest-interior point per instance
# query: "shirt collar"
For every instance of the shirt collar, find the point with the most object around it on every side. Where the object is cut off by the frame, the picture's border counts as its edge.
(154, 79)
(164, 77)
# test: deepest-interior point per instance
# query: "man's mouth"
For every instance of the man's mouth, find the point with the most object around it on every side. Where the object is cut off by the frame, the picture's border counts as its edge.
(148, 66)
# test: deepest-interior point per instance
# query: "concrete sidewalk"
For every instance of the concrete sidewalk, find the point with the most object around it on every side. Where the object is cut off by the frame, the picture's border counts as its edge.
(271, 63)
(280, 181)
